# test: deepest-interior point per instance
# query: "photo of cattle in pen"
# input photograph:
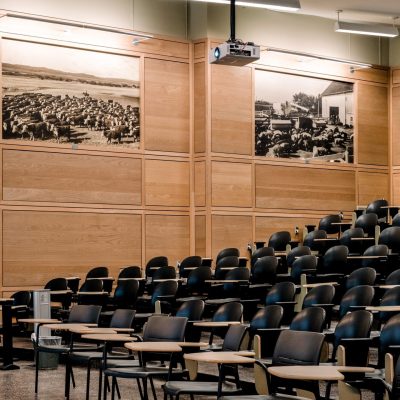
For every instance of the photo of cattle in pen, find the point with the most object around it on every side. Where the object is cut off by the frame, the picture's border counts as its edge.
(304, 118)
(69, 96)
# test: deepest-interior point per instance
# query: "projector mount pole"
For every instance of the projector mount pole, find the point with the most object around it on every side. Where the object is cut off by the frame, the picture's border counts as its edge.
(233, 22)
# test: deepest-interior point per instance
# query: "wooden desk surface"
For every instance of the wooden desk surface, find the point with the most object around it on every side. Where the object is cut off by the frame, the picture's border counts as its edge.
(111, 337)
(312, 285)
(342, 223)
(325, 239)
(386, 286)
(219, 357)
(364, 257)
(92, 293)
(215, 324)
(363, 238)
(87, 329)
(103, 278)
(389, 207)
(169, 347)
(383, 308)
(60, 291)
(131, 279)
(225, 280)
(39, 321)
(67, 326)
(307, 372)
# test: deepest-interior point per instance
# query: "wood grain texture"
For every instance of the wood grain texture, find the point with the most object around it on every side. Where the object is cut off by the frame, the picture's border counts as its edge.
(39, 246)
(199, 108)
(167, 235)
(396, 125)
(231, 184)
(231, 109)
(166, 99)
(199, 50)
(306, 188)
(200, 235)
(167, 183)
(231, 231)
(200, 184)
(70, 178)
(372, 186)
(396, 76)
(396, 187)
(372, 117)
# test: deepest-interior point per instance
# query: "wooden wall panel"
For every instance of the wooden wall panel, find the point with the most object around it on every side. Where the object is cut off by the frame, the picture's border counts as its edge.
(372, 121)
(200, 184)
(71, 178)
(40, 245)
(305, 188)
(231, 184)
(266, 226)
(166, 102)
(396, 125)
(231, 110)
(372, 186)
(231, 231)
(167, 235)
(200, 238)
(199, 107)
(396, 187)
(167, 183)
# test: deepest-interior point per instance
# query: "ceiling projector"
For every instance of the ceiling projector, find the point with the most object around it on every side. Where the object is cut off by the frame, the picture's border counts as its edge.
(234, 53)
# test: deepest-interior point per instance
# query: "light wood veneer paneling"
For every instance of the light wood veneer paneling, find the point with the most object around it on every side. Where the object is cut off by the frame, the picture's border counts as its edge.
(231, 231)
(70, 178)
(200, 232)
(372, 186)
(199, 50)
(200, 184)
(167, 235)
(372, 117)
(231, 184)
(396, 125)
(39, 246)
(167, 105)
(306, 188)
(199, 108)
(396, 187)
(167, 183)
(231, 110)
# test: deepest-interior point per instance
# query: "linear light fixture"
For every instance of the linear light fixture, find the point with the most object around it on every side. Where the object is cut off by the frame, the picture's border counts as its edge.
(366, 29)
(276, 5)
(6, 15)
(319, 57)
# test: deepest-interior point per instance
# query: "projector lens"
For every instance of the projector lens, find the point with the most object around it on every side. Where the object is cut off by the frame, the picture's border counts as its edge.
(217, 53)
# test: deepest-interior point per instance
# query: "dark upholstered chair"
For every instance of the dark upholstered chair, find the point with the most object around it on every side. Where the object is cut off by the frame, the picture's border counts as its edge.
(283, 294)
(310, 242)
(229, 251)
(376, 208)
(321, 296)
(361, 276)
(295, 253)
(391, 238)
(368, 223)
(356, 247)
(264, 270)
(132, 271)
(261, 252)
(310, 319)
(325, 224)
(188, 262)
(154, 263)
(355, 298)
(389, 339)
(97, 272)
(279, 240)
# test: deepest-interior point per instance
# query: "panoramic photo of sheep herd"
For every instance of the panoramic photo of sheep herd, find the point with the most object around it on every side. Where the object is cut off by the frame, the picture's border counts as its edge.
(303, 118)
(64, 95)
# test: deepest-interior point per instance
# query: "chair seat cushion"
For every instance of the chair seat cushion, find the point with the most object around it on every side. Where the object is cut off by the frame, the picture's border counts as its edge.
(175, 388)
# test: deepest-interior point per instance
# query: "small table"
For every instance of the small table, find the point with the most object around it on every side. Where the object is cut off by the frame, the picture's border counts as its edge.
(383, 308)
(215, 324)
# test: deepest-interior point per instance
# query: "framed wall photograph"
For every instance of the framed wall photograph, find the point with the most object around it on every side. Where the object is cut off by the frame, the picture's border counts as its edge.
(59, 94)
(303, 118)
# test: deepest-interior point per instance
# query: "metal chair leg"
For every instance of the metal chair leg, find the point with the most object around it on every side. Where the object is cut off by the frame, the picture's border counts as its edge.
(36, 371)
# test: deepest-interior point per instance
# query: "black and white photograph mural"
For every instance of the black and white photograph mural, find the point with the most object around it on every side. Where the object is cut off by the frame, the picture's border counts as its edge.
(65, 95)
(302, 117)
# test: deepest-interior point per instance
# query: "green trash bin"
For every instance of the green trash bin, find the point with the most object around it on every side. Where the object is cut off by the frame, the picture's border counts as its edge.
(49, 360)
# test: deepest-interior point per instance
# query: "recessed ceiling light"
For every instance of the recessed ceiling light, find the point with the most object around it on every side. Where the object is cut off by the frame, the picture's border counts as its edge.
(277, 5)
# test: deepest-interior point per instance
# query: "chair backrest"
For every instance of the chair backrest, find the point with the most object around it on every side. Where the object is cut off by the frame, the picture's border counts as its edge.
(393, 278)
(166, 288)
(164, 273)
(57, 284)
(225, 262)
(304, 264)
(396, 382)
(126, 293)
(22, 298)
(396, 220)
(264, 270)
(358, 296)
(160, 328)
(122, 318)
(261, 252)
(92, 285)
(335, 259)
(376, 208)
(234, 338)
(295, 253)
(82, 313)
(267, 317)
(368, 223)
(188, 262)
(361, 276)
(390, 336)
(391, 238)
(279, 240)
(310, 319)
(97, 272)
(354, 246)
(322, 294)
(191, 309)
(231, 311)
(298, 348)
(375, 250)
(309, 240)
(282, 291)
(132, 271)
(390, 298)
(326, 225)
(196, 280)
(229, 251)
(155, 262)
(239, 273)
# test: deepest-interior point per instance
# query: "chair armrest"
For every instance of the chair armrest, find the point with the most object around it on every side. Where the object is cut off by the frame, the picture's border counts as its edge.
(166, 297)
(283, 303)
(270, 329)
(331, 305)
